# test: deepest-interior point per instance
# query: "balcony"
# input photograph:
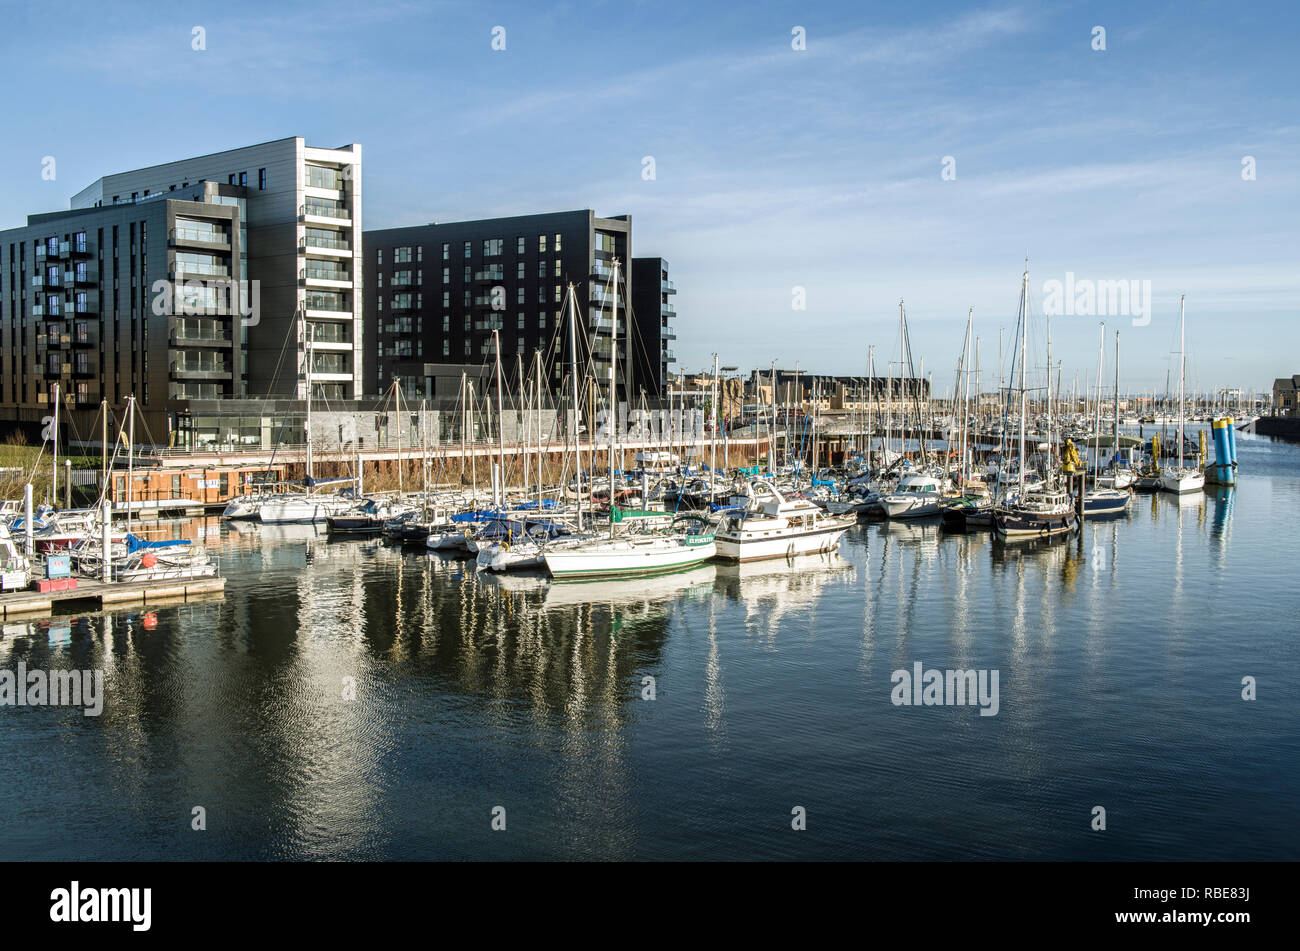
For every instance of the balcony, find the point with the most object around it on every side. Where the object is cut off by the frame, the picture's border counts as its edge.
(42, 254)
(84, 337)
(65, 249)
(38, 280)
(208, 238)
(328, 277)
(325, 212)
(200, 370)
(83, 248)
(667, 312)
(38, 310)
(86, 305)
(82, 277)
(182, 270)
(181, 337)
(316, 242)
(493, 275)
(669, 356)
(403, 306)
(667, 287)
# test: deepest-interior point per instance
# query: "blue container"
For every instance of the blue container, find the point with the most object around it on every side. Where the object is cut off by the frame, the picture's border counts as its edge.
(58, 566)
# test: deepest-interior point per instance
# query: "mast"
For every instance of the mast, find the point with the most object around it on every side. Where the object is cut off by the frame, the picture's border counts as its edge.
(1101, 345)
(54, 487)
(713, 436)
(1116, 393)
(965, 403)
(1024, 406)
(613, 394)
(501, 437)
(1182, 373)
(130, 456)
(573, 382)
(307, 376)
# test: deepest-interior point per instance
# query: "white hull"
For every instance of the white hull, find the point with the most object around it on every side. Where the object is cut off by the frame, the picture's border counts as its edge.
(518, 558)
(755, 546)
(628, 556)
(447, 541)
(298, 511)
(1182, 481)
(906, 506)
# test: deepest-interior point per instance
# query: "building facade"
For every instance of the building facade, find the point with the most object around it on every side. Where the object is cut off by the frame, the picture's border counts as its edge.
(655, 317)
(438, 291)
(300, 221)
(199, 279)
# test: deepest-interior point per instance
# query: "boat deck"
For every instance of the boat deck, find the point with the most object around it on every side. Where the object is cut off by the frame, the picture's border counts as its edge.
(111, 595)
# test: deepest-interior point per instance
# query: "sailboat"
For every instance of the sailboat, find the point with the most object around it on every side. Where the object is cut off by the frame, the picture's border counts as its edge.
(1103, 500)
(1180, 478)
(1045, 511)
(645, 552)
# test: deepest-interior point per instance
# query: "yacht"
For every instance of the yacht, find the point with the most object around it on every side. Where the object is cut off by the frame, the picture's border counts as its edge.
(918, 495)
(777, 527)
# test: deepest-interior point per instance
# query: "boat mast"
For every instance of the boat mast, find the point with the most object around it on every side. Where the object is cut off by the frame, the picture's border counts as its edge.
(307, 377)
(500, 480)
(54, 486)
(1116, 393)
(713, 437)
(573, 382)
(1182, 373)
(613, 393)
(965, 403)
(1024, 406)
(1101, 346)
(130, 456)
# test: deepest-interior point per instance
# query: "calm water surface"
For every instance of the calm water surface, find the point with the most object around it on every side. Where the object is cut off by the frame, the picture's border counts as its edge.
(1120, 659)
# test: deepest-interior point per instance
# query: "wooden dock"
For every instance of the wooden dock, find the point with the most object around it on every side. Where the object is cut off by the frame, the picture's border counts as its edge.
(96, 595)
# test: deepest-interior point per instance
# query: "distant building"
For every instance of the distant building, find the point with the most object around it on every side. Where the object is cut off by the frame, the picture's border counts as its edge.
(438, 291)
(1286, 395)
(654, 316)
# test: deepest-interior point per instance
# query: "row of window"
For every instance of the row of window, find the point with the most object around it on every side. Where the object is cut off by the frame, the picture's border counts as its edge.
(492, 248)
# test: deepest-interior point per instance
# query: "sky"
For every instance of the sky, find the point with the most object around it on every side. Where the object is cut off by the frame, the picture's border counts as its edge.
(802, 167)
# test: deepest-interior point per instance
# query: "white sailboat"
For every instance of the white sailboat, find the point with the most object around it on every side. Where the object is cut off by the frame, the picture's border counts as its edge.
(1180, 478)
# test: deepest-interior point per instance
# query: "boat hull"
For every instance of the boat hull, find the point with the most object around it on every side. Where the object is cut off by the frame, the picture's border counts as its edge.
(609, 562)
(741, 547)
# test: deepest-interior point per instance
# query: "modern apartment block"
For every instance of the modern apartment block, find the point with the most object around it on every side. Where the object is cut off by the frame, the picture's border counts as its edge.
(437, 292)
(199, 279)
(300, 221)
(655, 318)
(81, 307)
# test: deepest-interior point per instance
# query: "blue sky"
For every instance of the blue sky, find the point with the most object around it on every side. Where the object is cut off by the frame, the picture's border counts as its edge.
(775, 168)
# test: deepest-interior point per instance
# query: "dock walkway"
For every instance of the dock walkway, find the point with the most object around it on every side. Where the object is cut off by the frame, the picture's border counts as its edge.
(114, 594)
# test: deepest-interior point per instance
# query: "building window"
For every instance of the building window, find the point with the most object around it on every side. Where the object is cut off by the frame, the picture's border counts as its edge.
(492, 247)
(468, 246)
(446, 251)
(557, 266)
(379, 259)
(541, 294)
(243, 179)
(519, 242)
(557, 242)
(521, 321)
(446, 275)
(419, 253)
(446, 350)
(519, 295)
(261, 179)
(541, 243)
(557, 293)
(541, 268)
(519, 270)
(446, 323)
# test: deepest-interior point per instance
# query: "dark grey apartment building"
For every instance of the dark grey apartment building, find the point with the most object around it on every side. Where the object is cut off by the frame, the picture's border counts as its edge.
(199, 279)
(655, 318)
(435, 293)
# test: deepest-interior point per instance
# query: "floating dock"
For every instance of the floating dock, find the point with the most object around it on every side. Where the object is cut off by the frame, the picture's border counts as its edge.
(101, 596)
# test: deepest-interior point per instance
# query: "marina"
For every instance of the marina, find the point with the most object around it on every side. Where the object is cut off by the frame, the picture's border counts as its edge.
(1113, 678)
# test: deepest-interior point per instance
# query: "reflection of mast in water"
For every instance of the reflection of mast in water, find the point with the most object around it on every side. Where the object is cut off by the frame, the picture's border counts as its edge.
(714, 693)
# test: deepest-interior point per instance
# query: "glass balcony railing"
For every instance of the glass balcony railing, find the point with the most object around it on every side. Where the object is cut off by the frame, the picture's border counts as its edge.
(332, 241)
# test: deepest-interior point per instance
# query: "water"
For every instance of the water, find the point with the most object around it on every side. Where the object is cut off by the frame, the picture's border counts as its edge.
(1120, 666)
